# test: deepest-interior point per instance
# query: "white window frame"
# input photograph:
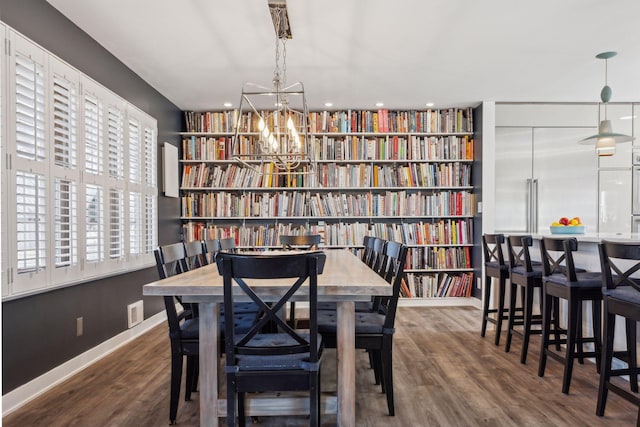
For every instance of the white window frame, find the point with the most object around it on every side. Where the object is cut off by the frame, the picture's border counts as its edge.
(80, 270)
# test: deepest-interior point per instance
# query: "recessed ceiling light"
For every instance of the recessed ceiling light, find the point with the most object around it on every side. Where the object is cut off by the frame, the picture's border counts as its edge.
(628, 117)
(227, 104)
(430, 104)
(379, 104)
(328, 104)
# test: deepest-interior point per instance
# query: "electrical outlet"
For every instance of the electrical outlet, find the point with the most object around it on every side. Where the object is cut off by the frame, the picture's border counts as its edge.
(479, 283)
(79, 326)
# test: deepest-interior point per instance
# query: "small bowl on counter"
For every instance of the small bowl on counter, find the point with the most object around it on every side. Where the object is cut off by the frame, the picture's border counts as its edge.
(567, 229)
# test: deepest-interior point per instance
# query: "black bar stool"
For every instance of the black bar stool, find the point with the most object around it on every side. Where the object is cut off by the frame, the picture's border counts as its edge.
(526, 275)
(494, 267)
(575, 287)
(621, 295)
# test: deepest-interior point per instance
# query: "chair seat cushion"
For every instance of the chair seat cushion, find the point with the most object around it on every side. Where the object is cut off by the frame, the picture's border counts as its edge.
(366, 323)
(190, 329)
(521, 270)
(242, 307)
(243, 322)
(625, 293)
(584, 280)
(496, 266)
(276, 362)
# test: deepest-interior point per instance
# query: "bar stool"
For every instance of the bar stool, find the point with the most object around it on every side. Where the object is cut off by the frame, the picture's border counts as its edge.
(494, 267)
(575, 287)
(527, 275)
(621, 295)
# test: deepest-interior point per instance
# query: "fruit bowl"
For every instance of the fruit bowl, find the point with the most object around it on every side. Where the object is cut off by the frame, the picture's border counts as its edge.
(567, 229)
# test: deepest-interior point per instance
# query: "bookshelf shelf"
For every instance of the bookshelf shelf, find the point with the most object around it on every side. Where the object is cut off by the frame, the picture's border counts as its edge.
(399, 175)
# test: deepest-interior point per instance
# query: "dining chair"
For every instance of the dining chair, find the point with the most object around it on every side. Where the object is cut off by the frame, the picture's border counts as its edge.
(525, 275)
(621, 295)
(495, 267)
(183, 327)
(301, 242)
(374, 330)
(575, 287)
(228, 244)
(210, 248)
(195, 255)
(288, 360)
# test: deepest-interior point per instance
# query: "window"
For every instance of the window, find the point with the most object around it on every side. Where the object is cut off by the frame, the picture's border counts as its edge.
(81, 177)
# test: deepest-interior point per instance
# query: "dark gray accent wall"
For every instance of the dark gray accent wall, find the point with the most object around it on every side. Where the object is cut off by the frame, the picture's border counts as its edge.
(39, 332)
(476, 180)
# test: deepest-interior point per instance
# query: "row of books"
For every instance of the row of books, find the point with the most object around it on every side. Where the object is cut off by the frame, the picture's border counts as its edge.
(393, 147)
(211, 176)
(442, 232)
(211, 121)
(340, 148)
(300, 204)
(382, 120)
(439, 258)
(409, 175)
(335, 234)
(438, 285)
(328, 175)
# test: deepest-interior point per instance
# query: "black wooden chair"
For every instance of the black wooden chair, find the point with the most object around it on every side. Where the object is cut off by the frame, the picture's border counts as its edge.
(367, 242)
(495, 267)
(304, 241)
(377, 256)
(374, 330)
(621, 294)
(184, 333)
(228, 244)
(526, 275)
(301, 242)
(575, 287)
(195, 255)
(287, 360)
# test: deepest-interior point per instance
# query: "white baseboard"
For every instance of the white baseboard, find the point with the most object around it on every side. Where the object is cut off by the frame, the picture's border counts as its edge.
(34, 388)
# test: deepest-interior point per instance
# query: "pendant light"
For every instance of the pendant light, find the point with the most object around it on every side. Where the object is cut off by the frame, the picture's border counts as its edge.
(606, 139)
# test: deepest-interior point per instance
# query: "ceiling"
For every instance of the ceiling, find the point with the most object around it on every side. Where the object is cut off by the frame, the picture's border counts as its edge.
(354, 53)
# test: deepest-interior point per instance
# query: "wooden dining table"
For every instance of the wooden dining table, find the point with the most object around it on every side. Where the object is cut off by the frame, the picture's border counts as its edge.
(345, 280)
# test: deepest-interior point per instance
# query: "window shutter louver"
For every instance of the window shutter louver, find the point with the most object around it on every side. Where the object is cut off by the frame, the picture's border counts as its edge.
(150, 223)
(135, 223)
(94, 223)
(93, 135)
(66, 223)
(64, 122)
(149, 157)
(30, 222)
(116, 223)
(116, 144)
(134, 152)
(29, 104)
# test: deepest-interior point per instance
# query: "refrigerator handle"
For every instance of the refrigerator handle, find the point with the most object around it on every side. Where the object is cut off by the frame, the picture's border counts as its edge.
(529, 209)
(534, 201)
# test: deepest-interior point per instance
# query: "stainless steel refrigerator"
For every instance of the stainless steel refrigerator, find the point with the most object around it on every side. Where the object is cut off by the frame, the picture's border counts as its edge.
(543, 174)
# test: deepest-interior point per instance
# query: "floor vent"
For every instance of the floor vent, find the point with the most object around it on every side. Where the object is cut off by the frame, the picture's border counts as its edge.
(135, 313)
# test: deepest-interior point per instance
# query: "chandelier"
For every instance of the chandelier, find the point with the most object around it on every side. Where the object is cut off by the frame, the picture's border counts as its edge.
(606, 138)
(275, 117)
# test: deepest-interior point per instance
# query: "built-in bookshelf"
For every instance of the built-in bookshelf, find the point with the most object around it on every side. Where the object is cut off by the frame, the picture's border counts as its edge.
(399, 175)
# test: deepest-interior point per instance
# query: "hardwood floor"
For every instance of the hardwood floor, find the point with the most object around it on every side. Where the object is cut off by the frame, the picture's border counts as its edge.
(445, 375)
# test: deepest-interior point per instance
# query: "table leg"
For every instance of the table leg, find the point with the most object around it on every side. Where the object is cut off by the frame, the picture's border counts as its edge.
(346, 354)
(208, 355)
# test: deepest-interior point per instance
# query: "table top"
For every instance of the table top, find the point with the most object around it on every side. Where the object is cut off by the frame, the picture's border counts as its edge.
(345, 277)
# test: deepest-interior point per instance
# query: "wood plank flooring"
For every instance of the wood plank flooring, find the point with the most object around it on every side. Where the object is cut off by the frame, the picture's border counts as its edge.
(445, 375)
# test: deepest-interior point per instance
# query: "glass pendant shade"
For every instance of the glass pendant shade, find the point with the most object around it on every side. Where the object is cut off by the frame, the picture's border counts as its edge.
(606, 139)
